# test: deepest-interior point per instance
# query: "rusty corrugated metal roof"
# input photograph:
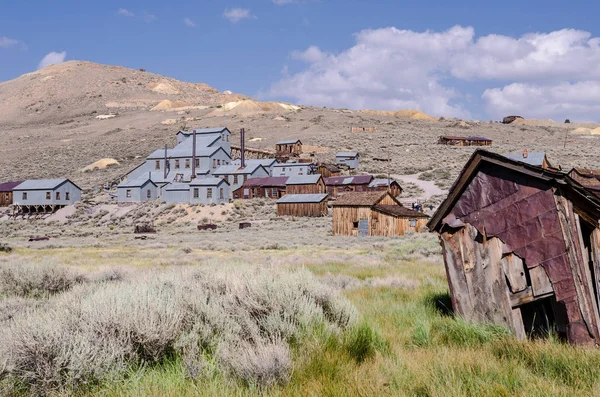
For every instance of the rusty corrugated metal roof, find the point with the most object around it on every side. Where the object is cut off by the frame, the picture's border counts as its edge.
(8, 186)
(348, 180)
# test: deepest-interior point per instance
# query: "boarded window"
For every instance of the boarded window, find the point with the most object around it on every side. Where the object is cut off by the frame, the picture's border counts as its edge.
(24, 195)
(187, 163)
(196, 193)
(221, 196)
(67, 196)
(157, 164)
(176, 164)
(413, 223)
(209, 193)
(128, 193)
(57, 196)
(6, 196)
(48, 196)
(148, 194)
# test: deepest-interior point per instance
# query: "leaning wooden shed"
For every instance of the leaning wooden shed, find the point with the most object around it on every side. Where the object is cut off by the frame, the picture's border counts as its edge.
(302, 205)
(374, 214)
(521, 247)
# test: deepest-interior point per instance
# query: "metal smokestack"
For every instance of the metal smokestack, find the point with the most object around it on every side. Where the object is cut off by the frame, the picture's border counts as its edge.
(193, 155)
(242, 147)
(166, 161)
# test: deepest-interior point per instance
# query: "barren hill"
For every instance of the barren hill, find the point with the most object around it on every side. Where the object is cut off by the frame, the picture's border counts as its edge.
(59, 120)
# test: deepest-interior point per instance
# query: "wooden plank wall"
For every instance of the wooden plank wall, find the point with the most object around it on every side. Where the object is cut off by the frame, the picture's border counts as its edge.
(302, 209)
(4, 200)
(379, 224)
(313, 188)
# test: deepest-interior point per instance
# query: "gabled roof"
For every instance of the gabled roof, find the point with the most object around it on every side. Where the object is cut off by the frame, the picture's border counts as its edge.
(208, 182)
(279, 165)
(8, 186)
(346, 154)
(481, 157)
(302, 198)
(138, 182)
(288, 142)
(330, 167)
(236, 170)
(382, 182)
(177, 187)
(185, 151)
(348, 180)
(304, 179)
(361, 199)
(533, 158)
(200, 131)
(271, 181)
(399, 211)
(43, 184)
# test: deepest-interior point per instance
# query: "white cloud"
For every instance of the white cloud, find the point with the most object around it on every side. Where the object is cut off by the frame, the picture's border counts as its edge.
(189, 22)
(282, 2)
(150, 17)
(52, 58)
(125, 13)
(237, 14)
(390, 68)
(6, 42)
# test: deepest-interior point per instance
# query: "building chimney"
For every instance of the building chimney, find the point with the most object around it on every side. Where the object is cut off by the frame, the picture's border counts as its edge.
(193, 155)
(525, 153)
(242, 147)
(165, 173)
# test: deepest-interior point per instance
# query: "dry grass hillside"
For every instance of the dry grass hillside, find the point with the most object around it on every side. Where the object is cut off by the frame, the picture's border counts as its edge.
(64, 118)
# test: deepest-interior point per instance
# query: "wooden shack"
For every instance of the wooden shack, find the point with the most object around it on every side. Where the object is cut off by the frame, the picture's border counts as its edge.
(374, 214)
(271, 187)
(521, 247)
(6, 193)
(590, 179)
(305, 184)
(464, 140)
(383, 185)
(310, 205)
(328, 170)
(339, 185)
(291, 146)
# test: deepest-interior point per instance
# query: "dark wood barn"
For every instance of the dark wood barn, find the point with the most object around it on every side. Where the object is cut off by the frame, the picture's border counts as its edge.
(305, 184)
(464, 140)
(311, 205)
(269, 187)
(6, 193)
(290, 147)
(328, 170)
(521, 246)
(374, 214)
(339, 185)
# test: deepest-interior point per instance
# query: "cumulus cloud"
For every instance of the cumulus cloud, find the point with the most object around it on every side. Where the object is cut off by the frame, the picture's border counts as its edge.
(237, 14)
(189, 22)
(390, 68)
(125, 13)
(52, 58)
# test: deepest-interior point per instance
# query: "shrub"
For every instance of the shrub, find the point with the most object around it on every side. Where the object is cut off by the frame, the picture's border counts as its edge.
(36, 281)
(362, 342)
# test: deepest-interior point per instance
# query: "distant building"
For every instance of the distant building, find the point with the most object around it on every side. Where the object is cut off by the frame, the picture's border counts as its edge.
(339, 185)
(348, 159)
(137, 190)
(266, 163)
(539, 159)
(237, 176)
(309, 205)
(289, 147)
(209, 191)
(292, 169)
(45, 195)
(6, 193)
(464, 140)
(383, 185)
(328, 170)
(177, 193)
(273, 187)
(305, 184)
(374, 214)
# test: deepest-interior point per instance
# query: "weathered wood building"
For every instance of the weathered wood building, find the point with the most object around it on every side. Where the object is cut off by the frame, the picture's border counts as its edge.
(6, 193)
(521, 247)
(384, 184)
(374, 214)
(590, 179)
(309, 205)
(339, 185)
(289, 147)
(271, 187)
(328, 170)
(45, 195)
(305, 184)
(464, 140)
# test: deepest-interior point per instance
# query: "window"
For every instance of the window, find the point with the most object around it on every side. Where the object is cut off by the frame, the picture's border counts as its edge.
(57, 196)
(227, 138)
(274, 193)
(24, 195)
(355, 225)
(235, 179)
(245, 178)
(176, 164)
(168, 166)
(128, 193)
(214, 163)
(267, 194)
(196, 193)
(48, 196)
(157, 164)
(209, 193)
(218, 162)
(6, 196)
(413, 223)
(197, 162)
(187, 163)
(67, 196)
(221, 196)
(223, 137)
(148, 194)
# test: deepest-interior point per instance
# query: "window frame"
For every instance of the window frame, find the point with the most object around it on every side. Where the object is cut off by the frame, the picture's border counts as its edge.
(48, 195)
(177, 164)
(128, 193)
(24, 196)
(196, 193)
(188, 163)
(157, 165)
(57, 196)
(209, 194)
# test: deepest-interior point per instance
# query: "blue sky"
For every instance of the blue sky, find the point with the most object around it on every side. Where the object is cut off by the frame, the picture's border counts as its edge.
(265, 53)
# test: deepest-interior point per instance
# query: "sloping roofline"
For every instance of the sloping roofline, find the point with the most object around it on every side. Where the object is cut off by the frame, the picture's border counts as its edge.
(483, 156)
(65, 180)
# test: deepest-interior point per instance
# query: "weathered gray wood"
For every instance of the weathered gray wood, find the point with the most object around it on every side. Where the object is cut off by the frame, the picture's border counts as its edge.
(461, 299)
(518, 326)
(521, 298)
(514, 270)
(540, 283)
(595, 241)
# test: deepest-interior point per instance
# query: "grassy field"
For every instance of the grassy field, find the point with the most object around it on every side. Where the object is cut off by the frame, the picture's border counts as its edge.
(405, 340)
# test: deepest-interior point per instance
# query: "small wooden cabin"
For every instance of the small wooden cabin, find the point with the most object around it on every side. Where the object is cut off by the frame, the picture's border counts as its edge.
(291, 146)
(328, 170)
(6, 193)
(271, 187)
(309, 205)
(384, 184)
(339, 185)
(305, 184)
(464, 140)
(374, 214)
(521, 247)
